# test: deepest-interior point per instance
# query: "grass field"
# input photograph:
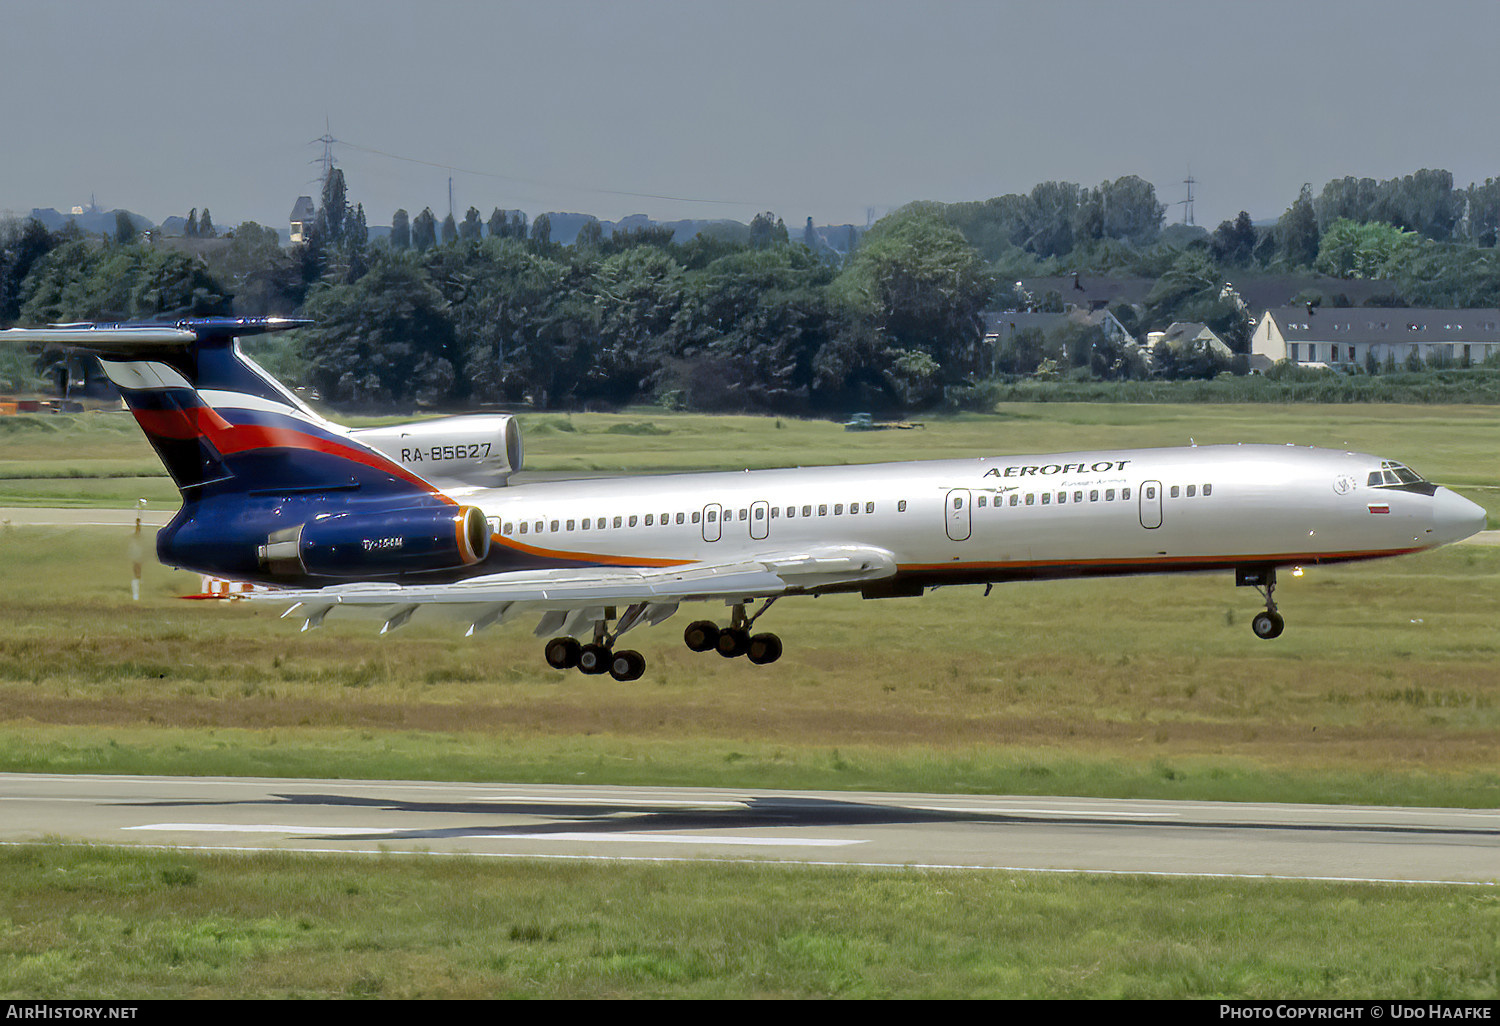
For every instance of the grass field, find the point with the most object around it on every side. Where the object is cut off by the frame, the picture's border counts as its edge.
(1385, 689)
(79, 923)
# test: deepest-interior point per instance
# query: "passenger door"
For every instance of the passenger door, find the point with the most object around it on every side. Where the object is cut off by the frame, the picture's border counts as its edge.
(959, 521)
(1151, 505)
(712, 514)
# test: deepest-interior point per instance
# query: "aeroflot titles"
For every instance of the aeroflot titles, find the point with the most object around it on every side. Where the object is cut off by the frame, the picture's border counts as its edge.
(1100, 467)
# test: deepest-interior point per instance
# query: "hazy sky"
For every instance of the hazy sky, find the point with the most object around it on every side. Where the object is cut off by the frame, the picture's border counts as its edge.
(819, 108)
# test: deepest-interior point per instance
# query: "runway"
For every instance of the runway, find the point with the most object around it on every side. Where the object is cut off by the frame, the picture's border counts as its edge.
(829, 828)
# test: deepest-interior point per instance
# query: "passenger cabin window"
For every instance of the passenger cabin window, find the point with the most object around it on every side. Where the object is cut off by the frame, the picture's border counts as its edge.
(1109, 495)
(1208, 489)
(1192, 490)
(1174, 491)
(807, 511)
(1125, 494)
(901, 506)
(869, 507)
(618, 521)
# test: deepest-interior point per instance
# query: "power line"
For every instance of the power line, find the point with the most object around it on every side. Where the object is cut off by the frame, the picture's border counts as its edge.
(534, 181)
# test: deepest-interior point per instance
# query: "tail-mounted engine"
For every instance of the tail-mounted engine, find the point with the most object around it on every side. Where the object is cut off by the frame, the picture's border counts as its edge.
(481, 450)
(376, 544)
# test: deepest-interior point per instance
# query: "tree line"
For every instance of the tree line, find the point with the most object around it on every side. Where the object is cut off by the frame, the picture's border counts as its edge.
(493, 310)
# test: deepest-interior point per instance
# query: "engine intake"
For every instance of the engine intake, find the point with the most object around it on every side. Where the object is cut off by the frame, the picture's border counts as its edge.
(482, 449)
(364, 544)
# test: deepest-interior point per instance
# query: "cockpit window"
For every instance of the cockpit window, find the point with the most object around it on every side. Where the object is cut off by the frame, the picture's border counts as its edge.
(1398, 476)
(1402, 474)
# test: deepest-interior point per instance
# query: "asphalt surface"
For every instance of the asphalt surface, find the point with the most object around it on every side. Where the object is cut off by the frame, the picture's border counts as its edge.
(1027, 834)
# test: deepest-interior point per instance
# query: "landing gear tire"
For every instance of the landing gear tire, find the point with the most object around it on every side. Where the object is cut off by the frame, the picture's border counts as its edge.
(733, 641)
(701, 635)
(1267, 625)
(593, 659)
(562, 653)
(763, 649)
(627, 665)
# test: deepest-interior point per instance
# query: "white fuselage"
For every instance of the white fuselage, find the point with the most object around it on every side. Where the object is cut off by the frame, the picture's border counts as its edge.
(997, 518)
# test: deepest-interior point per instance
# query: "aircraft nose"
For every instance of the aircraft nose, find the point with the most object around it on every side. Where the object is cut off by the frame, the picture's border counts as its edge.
(1454, 517)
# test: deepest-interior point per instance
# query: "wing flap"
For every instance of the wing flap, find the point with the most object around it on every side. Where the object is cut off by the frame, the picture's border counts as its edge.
(568, 591)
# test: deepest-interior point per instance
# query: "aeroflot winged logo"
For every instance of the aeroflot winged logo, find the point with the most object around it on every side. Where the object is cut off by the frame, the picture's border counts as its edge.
(1048, 469)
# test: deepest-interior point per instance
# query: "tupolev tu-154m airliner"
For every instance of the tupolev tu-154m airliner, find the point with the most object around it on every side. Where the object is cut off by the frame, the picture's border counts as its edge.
(391, 521)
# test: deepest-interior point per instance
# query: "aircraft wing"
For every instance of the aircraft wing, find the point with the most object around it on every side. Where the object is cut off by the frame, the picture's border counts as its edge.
(574, 598)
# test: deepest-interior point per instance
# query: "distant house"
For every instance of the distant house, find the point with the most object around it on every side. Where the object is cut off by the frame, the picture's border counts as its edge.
(1000, 326)
(1349, 337)
(1181, 336)
(303, 213)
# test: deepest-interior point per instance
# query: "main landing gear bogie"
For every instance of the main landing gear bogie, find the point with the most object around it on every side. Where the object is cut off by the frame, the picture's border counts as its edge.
(735, 640)
(599, 656)
(594, 659)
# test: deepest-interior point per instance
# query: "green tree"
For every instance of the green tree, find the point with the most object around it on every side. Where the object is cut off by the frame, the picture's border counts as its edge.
(922, 286)
(1130, 210)
(590, 236)
(541, 230)
(1233, 242)
(332, 213)
(400, 230)
(424, 230)
(381, 340)
(1297, 231)
(450, 230)
(22, 245)
(1371, 250)
(206, 229)
(471, 228)
(124, 228)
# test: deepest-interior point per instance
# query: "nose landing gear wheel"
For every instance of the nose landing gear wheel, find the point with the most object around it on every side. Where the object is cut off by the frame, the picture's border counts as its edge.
(1267, 625)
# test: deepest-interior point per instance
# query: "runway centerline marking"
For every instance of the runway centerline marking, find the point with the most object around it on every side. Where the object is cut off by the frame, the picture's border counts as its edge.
(572, 836)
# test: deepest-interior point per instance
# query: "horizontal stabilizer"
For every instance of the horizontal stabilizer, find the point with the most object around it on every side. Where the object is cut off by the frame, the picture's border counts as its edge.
(130, 338)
